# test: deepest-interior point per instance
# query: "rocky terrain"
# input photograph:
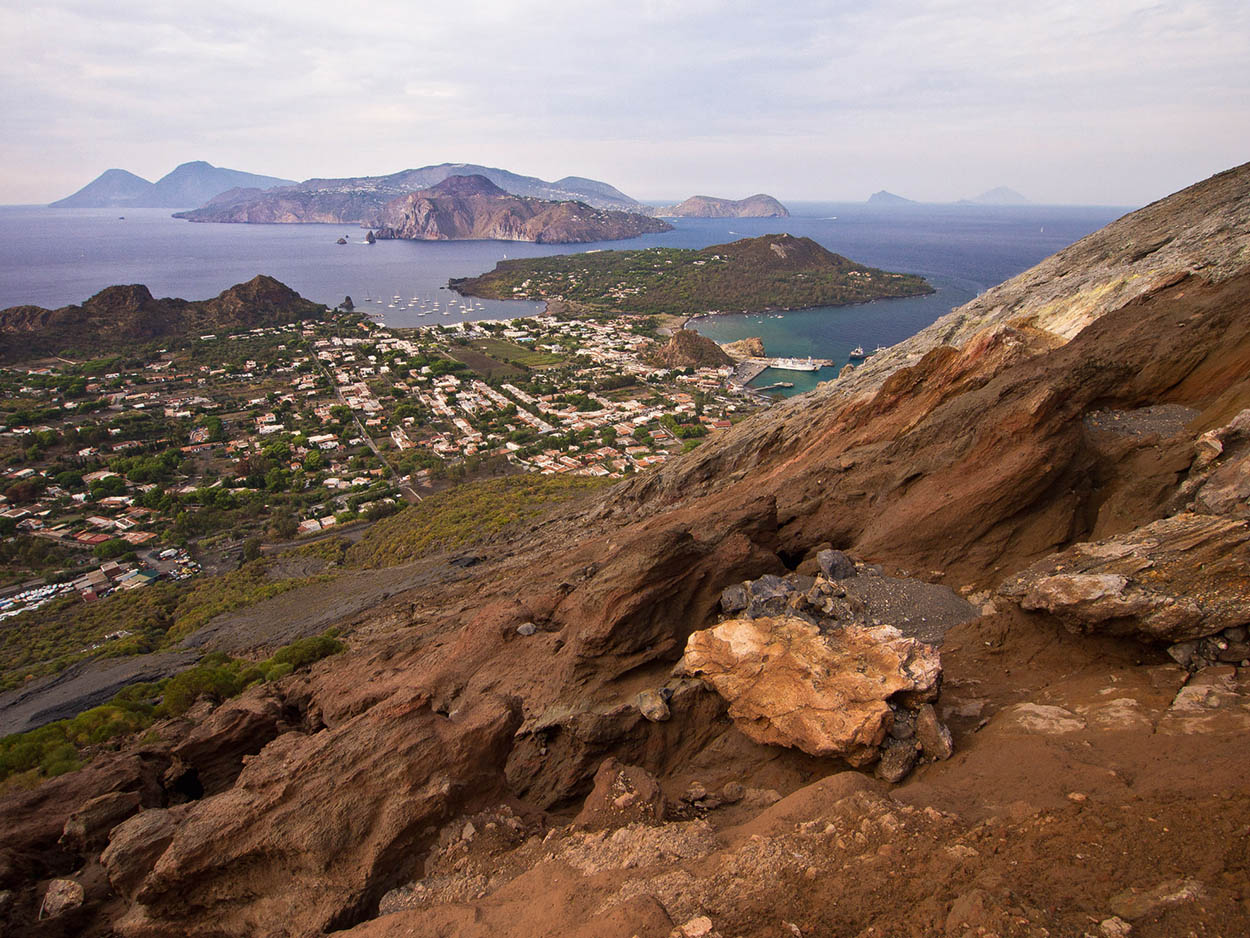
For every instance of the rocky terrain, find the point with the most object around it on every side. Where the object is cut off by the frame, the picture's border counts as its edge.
(706, 206)
(473, 207)
(950, 646)
(357, 200)
(187, 185)
(123, 314)
(688, 349)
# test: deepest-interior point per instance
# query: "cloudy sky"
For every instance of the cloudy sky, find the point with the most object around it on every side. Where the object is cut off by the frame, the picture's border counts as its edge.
(1095, 101)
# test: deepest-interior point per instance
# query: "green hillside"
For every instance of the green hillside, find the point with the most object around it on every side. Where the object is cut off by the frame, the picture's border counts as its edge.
(751, 275)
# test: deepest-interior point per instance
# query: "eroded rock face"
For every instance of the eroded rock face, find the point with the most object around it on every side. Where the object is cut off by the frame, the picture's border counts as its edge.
(88, 827)
(319, 827)
(789, 684)
(214, 750)
(1174, 580)
(136, 844)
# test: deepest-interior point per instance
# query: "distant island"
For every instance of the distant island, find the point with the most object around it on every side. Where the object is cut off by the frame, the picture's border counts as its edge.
(752, 275)
(186, 186)
(472, 207)
(359, 199)
(121, 316)
(1000, 195)
(706, 206)
(889, 198)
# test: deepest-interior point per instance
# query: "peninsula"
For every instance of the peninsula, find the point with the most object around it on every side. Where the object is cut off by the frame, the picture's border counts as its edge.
(752, 275)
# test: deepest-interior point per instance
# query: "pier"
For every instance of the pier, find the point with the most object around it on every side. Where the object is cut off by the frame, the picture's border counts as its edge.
(749, 369)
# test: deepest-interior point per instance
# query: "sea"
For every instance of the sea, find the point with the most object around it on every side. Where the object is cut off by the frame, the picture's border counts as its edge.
(55, 257)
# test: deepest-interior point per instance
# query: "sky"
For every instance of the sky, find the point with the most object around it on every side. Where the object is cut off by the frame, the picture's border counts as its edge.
(1112, 102)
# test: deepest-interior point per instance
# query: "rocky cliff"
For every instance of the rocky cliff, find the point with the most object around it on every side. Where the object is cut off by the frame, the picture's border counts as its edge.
(472, 207)
(123, 314)
(1001, 570)
(706, 206)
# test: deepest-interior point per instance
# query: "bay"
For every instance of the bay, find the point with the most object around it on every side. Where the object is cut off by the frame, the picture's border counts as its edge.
(54, 257)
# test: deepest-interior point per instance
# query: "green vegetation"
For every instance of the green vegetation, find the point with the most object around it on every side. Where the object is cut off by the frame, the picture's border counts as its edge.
(485, 365)
(64, 745)
(517, 354)
(52, 638)
(462, 515)
(751, 275)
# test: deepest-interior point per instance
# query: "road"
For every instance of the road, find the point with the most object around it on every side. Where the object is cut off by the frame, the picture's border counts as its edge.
(407, 491)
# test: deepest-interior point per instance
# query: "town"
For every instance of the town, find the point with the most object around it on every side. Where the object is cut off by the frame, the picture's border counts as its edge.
(195, 455)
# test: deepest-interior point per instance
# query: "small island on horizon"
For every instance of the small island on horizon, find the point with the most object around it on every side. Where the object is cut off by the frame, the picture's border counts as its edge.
(771, 272)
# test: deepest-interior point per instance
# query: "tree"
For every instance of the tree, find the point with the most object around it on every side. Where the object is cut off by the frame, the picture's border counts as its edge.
(283, 525)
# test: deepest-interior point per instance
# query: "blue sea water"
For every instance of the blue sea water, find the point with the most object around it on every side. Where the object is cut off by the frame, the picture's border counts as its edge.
(53, 257)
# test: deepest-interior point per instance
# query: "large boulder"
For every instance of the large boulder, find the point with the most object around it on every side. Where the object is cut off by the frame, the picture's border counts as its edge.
(1173, 580)
(788, 683)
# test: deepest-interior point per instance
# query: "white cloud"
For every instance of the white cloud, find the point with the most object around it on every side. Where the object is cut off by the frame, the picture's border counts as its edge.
(936, 98)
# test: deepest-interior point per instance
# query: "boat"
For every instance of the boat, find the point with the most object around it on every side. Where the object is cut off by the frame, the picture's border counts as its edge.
(793, 364)
(857, 352)
(879, 348)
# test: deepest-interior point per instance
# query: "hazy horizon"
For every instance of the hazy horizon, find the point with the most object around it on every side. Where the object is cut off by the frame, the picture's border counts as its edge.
(933, 100)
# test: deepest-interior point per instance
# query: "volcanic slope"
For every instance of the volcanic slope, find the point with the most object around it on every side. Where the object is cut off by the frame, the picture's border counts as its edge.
(449, 773)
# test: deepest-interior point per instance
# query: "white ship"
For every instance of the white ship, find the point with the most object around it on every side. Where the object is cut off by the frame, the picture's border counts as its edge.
(793, 364)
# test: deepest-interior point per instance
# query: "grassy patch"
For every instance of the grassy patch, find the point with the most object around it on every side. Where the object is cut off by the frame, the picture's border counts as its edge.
(484, 365)
(461, 516)
(66, 744)
(517, 354)
(55, 636)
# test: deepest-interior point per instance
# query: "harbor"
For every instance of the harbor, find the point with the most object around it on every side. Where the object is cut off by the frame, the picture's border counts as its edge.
(749, 369)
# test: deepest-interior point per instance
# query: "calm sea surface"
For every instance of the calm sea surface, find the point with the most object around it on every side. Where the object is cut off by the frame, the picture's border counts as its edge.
(53, 257)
